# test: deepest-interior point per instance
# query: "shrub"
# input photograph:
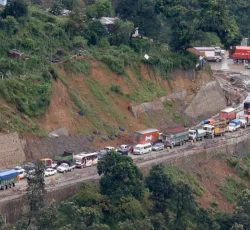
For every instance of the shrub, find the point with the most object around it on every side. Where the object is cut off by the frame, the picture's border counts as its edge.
(116, 65)
(116, 89)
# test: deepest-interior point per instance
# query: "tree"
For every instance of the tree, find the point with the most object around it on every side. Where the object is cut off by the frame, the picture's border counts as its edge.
(36, 191)
(15, 8)
(121, 177)
(94, 32)
(1, 221)
(10, 25)
(56, 8)
(132, 225)
(205, 221)
(242, 209)
(160, 186)
(76, 23)
(48, 218)
(99, 9)
(183, 200)
(122, 32)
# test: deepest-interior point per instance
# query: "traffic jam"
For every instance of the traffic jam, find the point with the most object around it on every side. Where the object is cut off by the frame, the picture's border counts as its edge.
(144, 141)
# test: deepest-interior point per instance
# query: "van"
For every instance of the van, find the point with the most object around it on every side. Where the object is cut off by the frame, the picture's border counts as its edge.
(142, 148)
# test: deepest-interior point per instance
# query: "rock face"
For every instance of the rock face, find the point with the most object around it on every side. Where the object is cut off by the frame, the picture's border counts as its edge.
(208, 102)
(11, 152)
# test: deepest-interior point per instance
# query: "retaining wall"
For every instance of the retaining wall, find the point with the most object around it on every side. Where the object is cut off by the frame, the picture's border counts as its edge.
(15, 207)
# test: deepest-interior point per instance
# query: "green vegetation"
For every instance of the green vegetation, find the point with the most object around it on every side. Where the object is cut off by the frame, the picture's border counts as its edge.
(173, 113)
(179, 175)
(124, 199)
(241, 166)
(232, 188)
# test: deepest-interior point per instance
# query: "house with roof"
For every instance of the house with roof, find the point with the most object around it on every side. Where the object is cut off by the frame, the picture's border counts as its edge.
(3, 2)
(109, 23)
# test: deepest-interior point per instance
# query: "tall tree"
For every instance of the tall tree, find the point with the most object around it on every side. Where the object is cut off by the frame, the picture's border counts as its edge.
(15, 8)
(160, 186)
(36, 191)
(121, 177)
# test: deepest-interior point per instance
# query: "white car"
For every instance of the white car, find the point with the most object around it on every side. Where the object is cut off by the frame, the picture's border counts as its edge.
(109, 149)
(127, 147)
(22, 173)
(50, 172)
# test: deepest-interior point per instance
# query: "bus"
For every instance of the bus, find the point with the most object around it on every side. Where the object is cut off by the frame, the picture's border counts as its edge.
(85, 159)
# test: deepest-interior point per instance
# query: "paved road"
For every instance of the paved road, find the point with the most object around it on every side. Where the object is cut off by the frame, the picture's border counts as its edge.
(91, 172)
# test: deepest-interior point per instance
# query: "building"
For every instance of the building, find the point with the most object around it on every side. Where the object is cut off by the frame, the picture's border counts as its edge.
(109, 23)
(3, 2)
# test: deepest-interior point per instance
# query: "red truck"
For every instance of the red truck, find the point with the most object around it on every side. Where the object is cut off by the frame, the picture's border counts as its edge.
(227, 114)
(240, 54)
(147, 136)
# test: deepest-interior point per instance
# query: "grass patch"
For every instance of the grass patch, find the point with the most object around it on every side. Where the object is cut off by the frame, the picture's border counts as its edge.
(78, 66)
(232, 188)
(179, 175)
(10, 121)
(173, 113)
(241, 166)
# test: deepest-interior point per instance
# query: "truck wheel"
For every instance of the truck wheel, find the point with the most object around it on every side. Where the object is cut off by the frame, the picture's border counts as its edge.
(217, 60)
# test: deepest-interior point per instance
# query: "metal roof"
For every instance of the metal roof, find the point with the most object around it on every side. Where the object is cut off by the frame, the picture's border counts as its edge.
(228, 110)
(8, 173)
(90, 154)
(147, 131)
(243, 47)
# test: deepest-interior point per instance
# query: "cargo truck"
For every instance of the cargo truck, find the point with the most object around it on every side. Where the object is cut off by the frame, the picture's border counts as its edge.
(175, 138)
(227, 114)
(8, 178)
(196, 134)
(211, 53)
(240, 54)
(244, 120)
(217, 129)
(147, 136)
(247, 107)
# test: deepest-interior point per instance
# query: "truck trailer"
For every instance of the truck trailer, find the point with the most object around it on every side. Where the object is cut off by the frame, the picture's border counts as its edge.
(227, 114)
(216, 129)
(240, 54)
(8, 178)
(171, 139)
(147, 136)
(211, 53)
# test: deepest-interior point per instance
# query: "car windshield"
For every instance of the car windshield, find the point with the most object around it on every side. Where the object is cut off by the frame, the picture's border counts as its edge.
(232, 124)
(64, 165)
(137, 148)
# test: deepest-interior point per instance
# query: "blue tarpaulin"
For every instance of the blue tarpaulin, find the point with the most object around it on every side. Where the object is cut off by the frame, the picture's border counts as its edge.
(8, 174)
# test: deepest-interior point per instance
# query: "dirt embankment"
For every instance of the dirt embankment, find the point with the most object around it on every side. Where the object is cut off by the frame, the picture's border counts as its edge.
(107, 109)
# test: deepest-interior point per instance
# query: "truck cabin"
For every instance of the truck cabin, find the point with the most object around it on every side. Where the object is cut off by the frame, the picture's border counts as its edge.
(208, 128)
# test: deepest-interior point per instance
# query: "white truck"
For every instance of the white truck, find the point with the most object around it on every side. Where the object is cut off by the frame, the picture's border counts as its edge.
(196, 134)
(211, 53)
(65, 167)
(244, 120)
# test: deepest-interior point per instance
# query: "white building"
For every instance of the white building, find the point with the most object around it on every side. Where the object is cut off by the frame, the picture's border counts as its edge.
(3, 2)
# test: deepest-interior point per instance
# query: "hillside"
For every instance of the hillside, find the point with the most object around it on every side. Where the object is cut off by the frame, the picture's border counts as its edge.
(59, 79)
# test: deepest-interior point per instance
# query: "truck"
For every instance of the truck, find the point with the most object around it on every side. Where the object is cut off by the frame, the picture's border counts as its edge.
(196, 134)
(234, 125)
(8, 178)
(67, 156)
(65, 167)
(240, 54)
(247, 107)
(244, 120)
(211, 53)
(48, 163)
(147, 136)
(216, 129)
(227, 114)
(171, 139)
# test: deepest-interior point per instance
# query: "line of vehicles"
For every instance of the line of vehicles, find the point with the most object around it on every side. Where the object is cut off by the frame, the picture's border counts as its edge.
(145, 141)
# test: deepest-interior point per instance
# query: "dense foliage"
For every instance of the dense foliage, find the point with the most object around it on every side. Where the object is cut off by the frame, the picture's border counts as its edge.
(46, 37)
(124, 200)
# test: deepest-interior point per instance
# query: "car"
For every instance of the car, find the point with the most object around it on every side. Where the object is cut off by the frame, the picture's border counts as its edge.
(31, 174)
(109, 149)
(50, 172)
(21, 172)
(158, 147)
(127, 147)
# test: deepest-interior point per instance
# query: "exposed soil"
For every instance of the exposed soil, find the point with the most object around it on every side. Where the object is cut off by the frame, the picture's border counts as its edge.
(212, 175)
